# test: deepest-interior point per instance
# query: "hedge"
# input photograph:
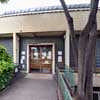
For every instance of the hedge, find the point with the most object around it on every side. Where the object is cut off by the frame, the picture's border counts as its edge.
(6, 68)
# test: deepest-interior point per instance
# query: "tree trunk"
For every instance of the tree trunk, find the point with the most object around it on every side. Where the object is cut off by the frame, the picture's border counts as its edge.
(71, 32)
(85, 54)
(89, 63)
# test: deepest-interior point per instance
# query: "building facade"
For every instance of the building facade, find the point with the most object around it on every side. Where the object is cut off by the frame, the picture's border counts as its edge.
(39, 38)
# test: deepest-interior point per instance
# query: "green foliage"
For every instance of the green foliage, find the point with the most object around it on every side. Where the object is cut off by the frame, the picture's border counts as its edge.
(4, 56)
(6, 68)
(4, 1)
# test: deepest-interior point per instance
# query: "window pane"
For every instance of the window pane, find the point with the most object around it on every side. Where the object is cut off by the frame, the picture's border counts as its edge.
(95, 96)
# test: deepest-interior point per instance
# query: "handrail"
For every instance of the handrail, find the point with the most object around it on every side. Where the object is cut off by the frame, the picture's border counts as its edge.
(63, 87)
(69, 75)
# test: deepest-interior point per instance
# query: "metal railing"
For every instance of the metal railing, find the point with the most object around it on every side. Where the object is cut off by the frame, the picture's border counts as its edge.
(69, 76)
(66, 83)
(17, 68)
(63, 87)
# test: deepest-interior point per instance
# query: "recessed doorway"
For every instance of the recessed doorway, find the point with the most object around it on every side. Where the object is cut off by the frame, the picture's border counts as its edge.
(41, 58)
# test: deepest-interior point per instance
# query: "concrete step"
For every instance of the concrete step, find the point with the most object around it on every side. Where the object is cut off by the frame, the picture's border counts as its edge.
(39, 76)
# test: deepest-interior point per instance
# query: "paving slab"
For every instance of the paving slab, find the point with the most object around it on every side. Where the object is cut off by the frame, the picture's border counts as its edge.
(32, 87)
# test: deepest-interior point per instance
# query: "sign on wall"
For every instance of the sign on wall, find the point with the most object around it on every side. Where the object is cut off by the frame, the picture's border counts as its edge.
(60, 56)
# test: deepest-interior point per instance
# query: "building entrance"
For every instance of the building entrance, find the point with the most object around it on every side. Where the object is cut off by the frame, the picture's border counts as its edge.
(41, 58)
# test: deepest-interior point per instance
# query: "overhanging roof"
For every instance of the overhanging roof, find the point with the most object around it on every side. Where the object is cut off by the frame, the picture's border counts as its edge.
(45, 9)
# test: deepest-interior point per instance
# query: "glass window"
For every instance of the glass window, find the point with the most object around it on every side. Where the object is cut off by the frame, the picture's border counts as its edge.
(98, 53)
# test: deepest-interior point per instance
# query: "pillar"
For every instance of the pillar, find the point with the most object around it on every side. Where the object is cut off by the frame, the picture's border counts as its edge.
(67, 48)
(15, 48)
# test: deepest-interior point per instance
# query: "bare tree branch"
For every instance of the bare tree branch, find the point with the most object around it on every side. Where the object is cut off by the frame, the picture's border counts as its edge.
(71, 32)
(68, 17)
(92, 17)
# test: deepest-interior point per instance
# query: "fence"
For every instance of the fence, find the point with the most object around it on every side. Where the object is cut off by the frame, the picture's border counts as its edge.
(65, 78)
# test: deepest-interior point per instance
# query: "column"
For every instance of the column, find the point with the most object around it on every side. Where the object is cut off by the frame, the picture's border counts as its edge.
(15, 48)
(67, 48)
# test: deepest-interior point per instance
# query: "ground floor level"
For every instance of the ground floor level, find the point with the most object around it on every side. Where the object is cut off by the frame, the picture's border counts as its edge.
(44, 52)
(36, 52)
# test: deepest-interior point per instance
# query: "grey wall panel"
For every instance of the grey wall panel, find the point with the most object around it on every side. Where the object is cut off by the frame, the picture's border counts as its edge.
(98, 53)
(59, 45)
(8, 44)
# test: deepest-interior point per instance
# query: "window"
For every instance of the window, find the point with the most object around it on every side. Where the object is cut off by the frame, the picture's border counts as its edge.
(96, 93)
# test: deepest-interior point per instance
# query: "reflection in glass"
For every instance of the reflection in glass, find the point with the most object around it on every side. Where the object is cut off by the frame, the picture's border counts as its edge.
(41, 57)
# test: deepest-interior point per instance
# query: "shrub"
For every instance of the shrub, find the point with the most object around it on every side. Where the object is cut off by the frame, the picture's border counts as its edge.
(6, 68)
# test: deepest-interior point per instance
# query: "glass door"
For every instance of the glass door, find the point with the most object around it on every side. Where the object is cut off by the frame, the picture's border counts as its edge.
(46, 58)
(41, 58)
(35, 57)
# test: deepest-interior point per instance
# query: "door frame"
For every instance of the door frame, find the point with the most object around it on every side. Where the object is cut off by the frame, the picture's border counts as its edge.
(53, 52)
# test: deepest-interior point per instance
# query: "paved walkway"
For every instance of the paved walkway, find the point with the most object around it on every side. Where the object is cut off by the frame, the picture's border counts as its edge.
(32, 87)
